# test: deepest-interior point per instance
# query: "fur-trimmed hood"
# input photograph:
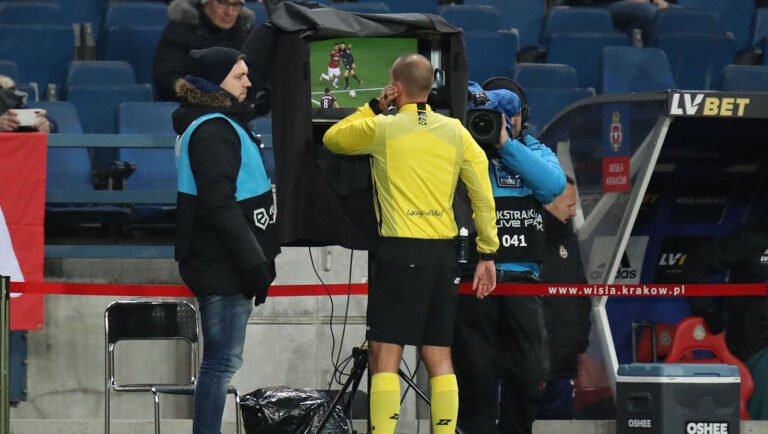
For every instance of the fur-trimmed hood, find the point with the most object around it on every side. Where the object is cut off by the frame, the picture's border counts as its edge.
(188, 92)
(188, 11)
(196, 103)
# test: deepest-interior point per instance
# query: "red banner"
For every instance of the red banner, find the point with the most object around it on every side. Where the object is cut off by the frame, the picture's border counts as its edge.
(616, 175)
(560, 290)
(22, 216)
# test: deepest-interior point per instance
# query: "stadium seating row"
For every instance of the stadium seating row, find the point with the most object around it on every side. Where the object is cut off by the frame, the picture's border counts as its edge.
(528, 17)
(97, 88)
(131, 31)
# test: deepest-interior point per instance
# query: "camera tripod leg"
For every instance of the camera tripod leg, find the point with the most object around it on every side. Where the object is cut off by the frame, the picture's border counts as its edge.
(360, 356)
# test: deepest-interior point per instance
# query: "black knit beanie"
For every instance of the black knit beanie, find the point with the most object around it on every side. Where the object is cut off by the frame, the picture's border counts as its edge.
(213, 64)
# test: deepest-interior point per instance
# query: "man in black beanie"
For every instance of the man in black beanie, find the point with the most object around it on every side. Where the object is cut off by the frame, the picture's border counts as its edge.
(225, 243)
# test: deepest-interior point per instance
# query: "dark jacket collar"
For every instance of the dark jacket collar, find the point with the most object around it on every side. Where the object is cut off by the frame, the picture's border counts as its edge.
(555, 229)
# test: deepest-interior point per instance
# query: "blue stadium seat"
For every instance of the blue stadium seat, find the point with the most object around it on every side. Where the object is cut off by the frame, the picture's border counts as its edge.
(130, 14)
(410, 6)
(100, 72)
(42, 53)
(135, 45)
(363, 8)
(9, 68)
(583, 51)
(260, 14)
(697, 59)
(745, 78)
(545, 103)
(490, 54)
(69, 169)
(136, 14)
(681, 20)
(146, 118)
(634, 69)
(31, 12)
(524, 15)
(759, 27)
(545, 75)
(64, 114)
(97, 105)
(735, 16)
(84, 11)
(30, 89)
(155, 168)
(576, 20)
(472, 18)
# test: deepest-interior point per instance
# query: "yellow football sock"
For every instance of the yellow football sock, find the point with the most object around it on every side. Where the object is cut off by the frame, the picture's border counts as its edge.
(385, 402)
(445, 404)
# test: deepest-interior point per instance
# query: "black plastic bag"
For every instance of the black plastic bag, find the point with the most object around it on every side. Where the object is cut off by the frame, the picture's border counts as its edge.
(282, 410)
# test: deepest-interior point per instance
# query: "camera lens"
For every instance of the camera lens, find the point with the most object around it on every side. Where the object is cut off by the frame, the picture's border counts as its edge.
(482, 126)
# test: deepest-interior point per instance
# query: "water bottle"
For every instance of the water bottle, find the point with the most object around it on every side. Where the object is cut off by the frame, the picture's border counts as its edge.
(462, 246)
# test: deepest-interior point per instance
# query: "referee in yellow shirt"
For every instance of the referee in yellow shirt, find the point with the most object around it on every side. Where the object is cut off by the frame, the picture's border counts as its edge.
(417, 157)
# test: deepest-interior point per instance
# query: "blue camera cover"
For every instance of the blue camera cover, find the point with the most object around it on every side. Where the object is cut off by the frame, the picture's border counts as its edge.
(502, 100)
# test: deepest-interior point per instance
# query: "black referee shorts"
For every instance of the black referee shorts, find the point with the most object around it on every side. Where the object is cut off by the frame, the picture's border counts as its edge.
(413, 292)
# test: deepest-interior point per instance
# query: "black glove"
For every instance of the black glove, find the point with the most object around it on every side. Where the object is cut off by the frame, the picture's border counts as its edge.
(714, 321)
(257, 280)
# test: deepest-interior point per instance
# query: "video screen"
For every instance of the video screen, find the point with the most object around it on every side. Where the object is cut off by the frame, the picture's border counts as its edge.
(347, 72)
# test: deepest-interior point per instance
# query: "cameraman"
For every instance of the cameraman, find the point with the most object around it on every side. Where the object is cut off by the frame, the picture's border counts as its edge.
(502, 339)
(417, 157)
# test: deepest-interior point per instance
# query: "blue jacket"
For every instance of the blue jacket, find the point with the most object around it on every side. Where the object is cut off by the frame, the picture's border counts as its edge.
(521, 168)
(537, 171)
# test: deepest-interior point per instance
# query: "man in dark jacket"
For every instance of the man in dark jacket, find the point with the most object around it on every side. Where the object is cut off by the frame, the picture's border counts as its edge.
(567, 318)
(196, 24)
(744, 254)
(225, 243)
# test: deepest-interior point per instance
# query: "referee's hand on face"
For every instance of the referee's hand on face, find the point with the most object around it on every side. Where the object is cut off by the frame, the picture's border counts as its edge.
(388, 95)
(485, 278)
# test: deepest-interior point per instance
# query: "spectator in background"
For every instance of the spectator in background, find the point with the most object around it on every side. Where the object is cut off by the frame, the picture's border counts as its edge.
(11, 99)
(196, 24)
(567, 318)
(744, 254)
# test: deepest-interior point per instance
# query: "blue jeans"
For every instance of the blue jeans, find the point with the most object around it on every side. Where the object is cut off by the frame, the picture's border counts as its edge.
(224, 319)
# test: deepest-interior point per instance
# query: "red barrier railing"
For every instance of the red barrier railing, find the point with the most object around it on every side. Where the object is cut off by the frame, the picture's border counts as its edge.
(555, 290)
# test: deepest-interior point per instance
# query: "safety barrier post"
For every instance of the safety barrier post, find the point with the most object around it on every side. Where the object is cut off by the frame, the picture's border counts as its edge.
(5, 335)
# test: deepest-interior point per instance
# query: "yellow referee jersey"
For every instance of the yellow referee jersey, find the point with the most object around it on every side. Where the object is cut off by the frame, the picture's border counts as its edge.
(417, 158)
